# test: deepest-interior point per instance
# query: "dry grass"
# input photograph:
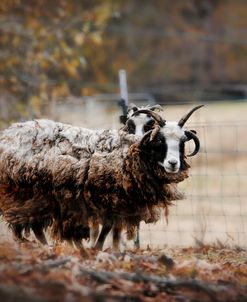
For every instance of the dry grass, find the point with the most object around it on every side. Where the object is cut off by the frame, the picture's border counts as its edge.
(41, 274)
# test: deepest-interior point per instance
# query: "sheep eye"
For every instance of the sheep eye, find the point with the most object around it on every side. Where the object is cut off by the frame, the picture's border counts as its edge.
(147, 128)
(149, 125)
(131, 127)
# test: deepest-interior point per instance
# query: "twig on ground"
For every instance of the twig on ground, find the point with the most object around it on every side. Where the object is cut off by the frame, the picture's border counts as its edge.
(162, 283)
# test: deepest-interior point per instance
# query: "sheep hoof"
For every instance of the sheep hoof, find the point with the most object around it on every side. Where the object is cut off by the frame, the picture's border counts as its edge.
(116, 248)
(22, 240)
(98, 246)
(79, 245)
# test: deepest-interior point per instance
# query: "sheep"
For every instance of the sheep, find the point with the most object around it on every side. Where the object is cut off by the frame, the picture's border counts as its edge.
(174, 138)
(53, 174)
(43, 157)
(138, 125)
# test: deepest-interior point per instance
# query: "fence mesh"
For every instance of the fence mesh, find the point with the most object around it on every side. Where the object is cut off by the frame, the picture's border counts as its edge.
(215, 208)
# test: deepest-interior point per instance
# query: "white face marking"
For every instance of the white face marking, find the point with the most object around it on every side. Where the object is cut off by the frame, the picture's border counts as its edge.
(173, 135)
(140, 121)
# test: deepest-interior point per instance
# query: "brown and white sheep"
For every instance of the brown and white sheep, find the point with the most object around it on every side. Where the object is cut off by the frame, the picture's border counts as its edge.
(53, 174)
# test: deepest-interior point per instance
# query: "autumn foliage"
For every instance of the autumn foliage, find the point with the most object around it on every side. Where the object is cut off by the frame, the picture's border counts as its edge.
(32, 273)
(52, 49)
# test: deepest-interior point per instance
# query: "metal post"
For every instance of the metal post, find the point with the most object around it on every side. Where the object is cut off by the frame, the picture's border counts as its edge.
(124, 101)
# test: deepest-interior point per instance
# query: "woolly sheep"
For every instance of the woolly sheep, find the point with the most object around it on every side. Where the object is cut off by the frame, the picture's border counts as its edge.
(140, 123)
(49, 176)
(135, 124)
(172, 137)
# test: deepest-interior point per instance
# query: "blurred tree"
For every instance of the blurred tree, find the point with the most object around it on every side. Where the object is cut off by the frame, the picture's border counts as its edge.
(51, 49)
(45, 46)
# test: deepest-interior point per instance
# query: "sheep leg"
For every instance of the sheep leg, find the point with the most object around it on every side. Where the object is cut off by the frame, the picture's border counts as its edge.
(116, 238)
(107, 226)
(17, 232)
(94, 233)
(137, 239)
(38, 232)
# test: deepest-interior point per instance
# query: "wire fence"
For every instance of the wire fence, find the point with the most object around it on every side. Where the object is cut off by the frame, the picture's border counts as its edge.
(215, 208)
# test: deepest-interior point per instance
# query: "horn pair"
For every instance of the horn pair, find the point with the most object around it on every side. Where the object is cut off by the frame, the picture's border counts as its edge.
(154, 115)
(161, 122)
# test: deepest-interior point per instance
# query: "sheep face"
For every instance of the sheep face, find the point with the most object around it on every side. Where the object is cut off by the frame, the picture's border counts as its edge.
(174, 138)
(140, 123)
(166, 142)
(167, 148)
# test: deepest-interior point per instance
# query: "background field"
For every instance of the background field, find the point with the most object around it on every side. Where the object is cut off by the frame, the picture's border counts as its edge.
(215, 208)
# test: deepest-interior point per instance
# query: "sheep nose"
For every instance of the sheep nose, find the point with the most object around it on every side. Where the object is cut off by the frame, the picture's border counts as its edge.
(173, 162)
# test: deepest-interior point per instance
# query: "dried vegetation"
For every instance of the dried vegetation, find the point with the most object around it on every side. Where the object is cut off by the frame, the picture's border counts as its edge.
(208, 273)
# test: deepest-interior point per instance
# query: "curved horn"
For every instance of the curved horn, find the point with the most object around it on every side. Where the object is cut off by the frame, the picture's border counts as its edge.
(154, 132)
(190, 135)
(154, 115)
(145, 138)
(184, 119)
(149, 136)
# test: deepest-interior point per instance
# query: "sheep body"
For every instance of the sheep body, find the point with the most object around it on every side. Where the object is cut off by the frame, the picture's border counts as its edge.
(43, 166)
(53, 174)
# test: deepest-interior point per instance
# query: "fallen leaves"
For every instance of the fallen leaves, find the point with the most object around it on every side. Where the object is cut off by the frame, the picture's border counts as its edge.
(62, 274)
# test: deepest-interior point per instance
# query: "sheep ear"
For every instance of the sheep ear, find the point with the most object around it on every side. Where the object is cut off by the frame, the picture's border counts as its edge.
(123, 119)
(132, 107)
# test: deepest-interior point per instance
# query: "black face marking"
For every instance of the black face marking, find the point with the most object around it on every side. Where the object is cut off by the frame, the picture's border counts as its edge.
(181, 152)
(131, 126)
(149, 125)
(156, 149)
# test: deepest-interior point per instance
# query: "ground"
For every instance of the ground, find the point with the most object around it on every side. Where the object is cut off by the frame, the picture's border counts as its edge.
(29, 272)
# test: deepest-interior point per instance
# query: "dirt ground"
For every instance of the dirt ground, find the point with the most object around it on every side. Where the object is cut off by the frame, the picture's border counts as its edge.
(209, 273)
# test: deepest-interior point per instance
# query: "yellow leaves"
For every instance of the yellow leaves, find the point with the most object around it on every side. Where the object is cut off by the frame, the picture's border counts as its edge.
(53, 43)
(96, 38)
(16, 41)
(103, 13)
(71, 67)
(36, 104)
(11, 61)
(79, 38)
(65, 47)
(60, 91)
(5, 5)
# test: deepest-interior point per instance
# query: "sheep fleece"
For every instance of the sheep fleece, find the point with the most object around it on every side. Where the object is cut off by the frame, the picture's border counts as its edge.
(58, 175)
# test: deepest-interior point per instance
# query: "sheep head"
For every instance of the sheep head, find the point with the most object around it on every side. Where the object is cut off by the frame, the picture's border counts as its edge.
(165, 143)
(139, 123)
